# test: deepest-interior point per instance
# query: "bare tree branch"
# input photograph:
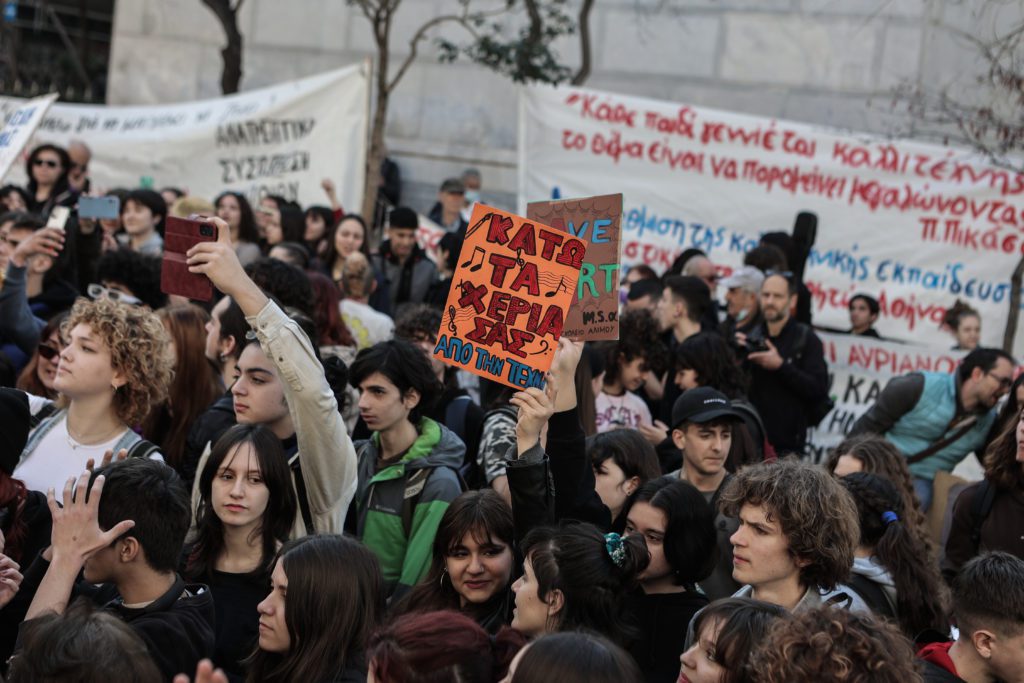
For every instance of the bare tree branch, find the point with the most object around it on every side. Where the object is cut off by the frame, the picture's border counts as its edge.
(583, 26)
(231, 75)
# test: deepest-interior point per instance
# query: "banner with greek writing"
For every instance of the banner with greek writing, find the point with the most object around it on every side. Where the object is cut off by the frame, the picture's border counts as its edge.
(19, 124)
(858, 369)
(915, 225)
(280, 140)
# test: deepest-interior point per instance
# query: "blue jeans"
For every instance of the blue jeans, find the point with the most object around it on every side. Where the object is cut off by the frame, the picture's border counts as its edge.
(923, 488)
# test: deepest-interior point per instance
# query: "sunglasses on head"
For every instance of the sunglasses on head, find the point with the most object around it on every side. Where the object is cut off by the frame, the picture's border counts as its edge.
(46, 162)
(96, 291)
(48, 352)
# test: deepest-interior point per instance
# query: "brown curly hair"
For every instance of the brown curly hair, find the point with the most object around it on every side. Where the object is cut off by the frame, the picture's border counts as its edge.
(1001, 466)
(829, 645)
(879, 456)
(817, 515)
(138, 346)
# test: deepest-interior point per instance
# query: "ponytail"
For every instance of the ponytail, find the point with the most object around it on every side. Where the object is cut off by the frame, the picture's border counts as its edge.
(920, 602)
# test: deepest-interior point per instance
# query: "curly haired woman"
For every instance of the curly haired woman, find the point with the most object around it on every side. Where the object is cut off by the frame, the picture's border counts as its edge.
(113, 370)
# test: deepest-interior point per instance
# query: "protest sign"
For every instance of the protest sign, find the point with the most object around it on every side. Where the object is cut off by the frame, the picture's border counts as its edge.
(916, 225)
(594, 313)
(859, 368)
(281, 140)
(19, 124)
(507, 306)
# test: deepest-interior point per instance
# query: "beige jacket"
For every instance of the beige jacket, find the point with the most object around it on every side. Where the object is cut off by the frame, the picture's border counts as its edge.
(327, 456)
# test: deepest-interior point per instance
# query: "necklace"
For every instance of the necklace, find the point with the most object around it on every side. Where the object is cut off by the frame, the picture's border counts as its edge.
(75, 444)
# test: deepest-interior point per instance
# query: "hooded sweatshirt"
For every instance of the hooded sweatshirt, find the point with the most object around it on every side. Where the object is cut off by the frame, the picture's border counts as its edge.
(382, 494)
(870, 569)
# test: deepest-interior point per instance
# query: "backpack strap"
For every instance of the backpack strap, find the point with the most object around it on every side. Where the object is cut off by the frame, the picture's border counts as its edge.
(44, 412)
(801, 341)
(414, 485)
(981, 506)
(873, 594)
(142, 449)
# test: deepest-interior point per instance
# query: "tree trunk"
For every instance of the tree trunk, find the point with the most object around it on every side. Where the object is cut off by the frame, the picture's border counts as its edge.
(1014, 313)
(231, 75)
(584, 28)
(375, 155)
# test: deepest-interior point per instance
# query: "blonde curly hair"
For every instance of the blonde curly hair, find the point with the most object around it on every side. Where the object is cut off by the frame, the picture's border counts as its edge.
(138, 346)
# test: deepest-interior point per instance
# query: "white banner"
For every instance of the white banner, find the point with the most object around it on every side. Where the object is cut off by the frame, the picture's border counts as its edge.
(858, 369)
(281, 140)
(19, 124)
(915, 225)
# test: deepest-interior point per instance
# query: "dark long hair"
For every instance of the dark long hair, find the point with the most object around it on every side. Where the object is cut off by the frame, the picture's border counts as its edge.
(61, 185)
(691, 541)
(335, 601)
(576, 657)
(1001, 466)
(574, 559)
(194, 387)
(247, 231)
(486, 516)
(331, 252)
(919, 587)
(279, 516)
(327, 311)
(744, 623)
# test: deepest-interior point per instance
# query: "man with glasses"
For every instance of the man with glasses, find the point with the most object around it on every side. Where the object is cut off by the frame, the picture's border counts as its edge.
(936, 419)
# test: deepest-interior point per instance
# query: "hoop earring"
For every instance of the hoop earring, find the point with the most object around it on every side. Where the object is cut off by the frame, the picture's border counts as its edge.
(444, 573)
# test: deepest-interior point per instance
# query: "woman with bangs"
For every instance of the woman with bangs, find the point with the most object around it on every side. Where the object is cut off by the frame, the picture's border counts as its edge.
(726, 633)
(111, 373)
(473, 563)
(246, 509)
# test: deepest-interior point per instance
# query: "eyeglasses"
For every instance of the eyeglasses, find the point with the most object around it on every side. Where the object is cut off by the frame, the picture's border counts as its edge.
(46, 162)
(96, 291)
(788, 274)
(1004, 382)
(48, 352)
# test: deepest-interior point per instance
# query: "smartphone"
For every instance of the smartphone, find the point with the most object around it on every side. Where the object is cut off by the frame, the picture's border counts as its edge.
(180, 235)
(58, 217)
(99, 208)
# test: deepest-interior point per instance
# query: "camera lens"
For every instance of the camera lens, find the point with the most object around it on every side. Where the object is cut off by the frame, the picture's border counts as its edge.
(206, 230)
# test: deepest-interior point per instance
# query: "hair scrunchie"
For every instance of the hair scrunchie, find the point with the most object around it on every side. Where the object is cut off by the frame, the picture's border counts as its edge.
(889, 517)
(613, 544)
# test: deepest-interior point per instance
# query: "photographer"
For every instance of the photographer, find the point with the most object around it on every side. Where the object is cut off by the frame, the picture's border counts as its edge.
(786, 362)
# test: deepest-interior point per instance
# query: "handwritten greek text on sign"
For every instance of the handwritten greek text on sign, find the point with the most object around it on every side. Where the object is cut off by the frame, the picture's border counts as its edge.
(506, 310)
(594, 313)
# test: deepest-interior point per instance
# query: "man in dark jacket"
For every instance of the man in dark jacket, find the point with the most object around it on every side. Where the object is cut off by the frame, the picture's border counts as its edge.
(407, 269)
(988, 607)
(787, 367)
(129, 541)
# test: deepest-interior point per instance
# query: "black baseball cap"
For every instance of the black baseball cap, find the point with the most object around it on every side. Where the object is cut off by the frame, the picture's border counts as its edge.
(701, 405)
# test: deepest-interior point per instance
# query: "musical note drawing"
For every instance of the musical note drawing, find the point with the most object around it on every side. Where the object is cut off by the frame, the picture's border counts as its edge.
(451, 319)
(543, 348)
(519, 257)
(478, 266)
(561, 288)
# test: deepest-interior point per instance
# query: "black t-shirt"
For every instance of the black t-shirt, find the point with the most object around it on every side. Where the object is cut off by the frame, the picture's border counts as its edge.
(235, 597)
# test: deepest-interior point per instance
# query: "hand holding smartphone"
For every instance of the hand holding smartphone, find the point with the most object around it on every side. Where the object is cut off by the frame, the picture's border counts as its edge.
(181, 234)
(58, 217)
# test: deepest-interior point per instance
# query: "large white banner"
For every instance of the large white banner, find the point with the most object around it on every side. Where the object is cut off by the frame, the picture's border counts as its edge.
(281, 140)
(915, 225)
(19, 124)
(858, 370)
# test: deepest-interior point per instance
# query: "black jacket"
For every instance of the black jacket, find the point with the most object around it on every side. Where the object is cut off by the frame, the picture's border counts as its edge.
(782, 396)
(207, 428)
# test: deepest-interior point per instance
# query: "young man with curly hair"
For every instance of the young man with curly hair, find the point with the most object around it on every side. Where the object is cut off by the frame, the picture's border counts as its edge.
(797, 534)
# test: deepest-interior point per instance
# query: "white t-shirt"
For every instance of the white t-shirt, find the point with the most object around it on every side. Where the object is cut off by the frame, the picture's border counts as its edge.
(368, 326)
(57, 458)
(621, 412)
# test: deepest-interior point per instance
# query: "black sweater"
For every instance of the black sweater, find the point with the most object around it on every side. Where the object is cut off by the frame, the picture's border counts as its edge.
(662, 619)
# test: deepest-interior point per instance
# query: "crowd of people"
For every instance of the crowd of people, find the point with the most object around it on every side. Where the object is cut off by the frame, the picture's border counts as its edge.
(282, 484)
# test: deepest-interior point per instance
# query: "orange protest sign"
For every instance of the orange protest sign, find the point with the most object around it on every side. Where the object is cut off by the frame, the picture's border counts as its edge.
(509, 298)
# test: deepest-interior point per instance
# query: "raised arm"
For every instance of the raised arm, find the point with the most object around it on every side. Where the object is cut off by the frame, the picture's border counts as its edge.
(327, 456)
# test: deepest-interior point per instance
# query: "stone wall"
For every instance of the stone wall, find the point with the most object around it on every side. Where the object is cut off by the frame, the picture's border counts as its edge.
(831, 62)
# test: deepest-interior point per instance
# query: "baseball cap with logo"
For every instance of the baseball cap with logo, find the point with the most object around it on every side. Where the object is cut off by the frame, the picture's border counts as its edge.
(748, 278)
(701, 405)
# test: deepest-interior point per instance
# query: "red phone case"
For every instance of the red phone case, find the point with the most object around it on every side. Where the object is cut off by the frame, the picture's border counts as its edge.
(180, 235)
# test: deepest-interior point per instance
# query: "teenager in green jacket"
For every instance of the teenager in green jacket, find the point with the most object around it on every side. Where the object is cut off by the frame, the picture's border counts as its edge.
(408, 468)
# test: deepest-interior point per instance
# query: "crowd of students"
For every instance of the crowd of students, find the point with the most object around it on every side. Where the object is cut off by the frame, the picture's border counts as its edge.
(283, 485)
